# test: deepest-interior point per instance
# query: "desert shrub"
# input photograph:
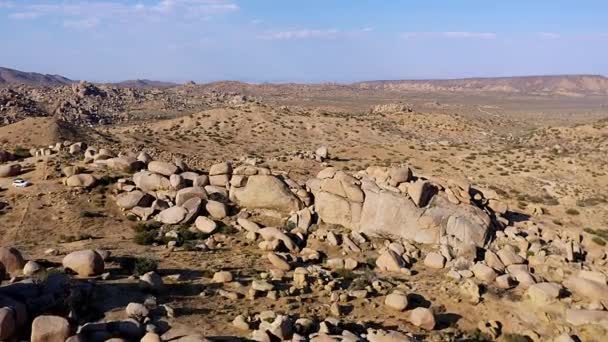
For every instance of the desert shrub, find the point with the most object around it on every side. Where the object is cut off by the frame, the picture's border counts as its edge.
(599, 241)
(74, 238)
(226, 229)
(290, 225)
(21, 152)
(90, 214)
(146, 237)
(345, 274)
(572, 211)
(139, 266)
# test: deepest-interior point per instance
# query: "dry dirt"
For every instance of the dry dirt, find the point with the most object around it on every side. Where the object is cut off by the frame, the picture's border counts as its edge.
(547, 151)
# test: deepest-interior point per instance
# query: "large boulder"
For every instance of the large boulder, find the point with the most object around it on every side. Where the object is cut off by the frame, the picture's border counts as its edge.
(130, 200)
(12, 260)
(173, 215)
(390, 212)
(266, 192)
(50, 329)
(124, 164)
(5, 156)
(149, 181)
(83, 180)
(10, 170)
(191, 192)
(163, 168)
(593, 289)
(85, 263)
(338, 210)
(581, 317)
(8, 326)
(18, 308)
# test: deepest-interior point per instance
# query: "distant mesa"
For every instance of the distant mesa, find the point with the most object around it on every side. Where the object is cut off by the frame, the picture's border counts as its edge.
(557, 84)
(144, 84)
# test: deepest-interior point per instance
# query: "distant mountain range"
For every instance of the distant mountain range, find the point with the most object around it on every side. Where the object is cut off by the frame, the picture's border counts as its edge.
(10, 76)
(558, 84)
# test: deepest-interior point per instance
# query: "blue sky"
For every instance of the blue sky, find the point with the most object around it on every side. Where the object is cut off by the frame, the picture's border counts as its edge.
(303, 41)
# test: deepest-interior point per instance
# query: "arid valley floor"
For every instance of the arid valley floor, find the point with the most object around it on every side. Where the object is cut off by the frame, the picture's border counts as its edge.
(305, 212)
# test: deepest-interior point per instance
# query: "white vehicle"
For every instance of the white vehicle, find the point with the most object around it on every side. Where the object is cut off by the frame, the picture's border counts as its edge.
(20, 183)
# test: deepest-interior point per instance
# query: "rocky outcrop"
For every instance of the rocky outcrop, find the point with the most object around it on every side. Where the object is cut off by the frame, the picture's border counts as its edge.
(266, 192)
(389, 202)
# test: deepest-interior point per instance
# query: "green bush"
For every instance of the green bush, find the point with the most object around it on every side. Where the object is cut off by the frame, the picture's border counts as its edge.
(572, 211)
(144, 265)
(21, 152)
(145, 237)
(139, 266)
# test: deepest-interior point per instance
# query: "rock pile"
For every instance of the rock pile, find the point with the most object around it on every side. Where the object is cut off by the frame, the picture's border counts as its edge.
(335, 221)
(391, 108)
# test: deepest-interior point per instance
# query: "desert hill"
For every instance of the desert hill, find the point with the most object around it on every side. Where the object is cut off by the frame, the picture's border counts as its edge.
(11, 76)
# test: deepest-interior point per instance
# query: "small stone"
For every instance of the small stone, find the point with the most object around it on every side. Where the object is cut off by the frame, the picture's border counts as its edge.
(137, 311)
(422, 317)
(31, 268)
(240, 323)
(205, 225)
(434, 260)
(483, 272)
(261, 285)
(396, 300)
(151, 281)
(278, 262)
(50, 329)
(335, 309)
(222, 277)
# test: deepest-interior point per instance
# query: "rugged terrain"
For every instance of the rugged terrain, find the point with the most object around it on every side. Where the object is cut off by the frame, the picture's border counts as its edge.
(461, 211)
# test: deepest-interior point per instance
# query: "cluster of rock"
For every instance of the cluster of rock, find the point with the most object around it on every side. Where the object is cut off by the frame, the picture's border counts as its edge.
(321, 154)
(467, 230)
(391, 108)
(15, 106)
(34, 291)
(383, 201)
(85, 103)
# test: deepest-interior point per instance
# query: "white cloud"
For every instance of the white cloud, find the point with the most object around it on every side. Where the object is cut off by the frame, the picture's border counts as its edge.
(87, 12)
(300, 34)
(451, 34)
(548, 35)
(88, 23)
